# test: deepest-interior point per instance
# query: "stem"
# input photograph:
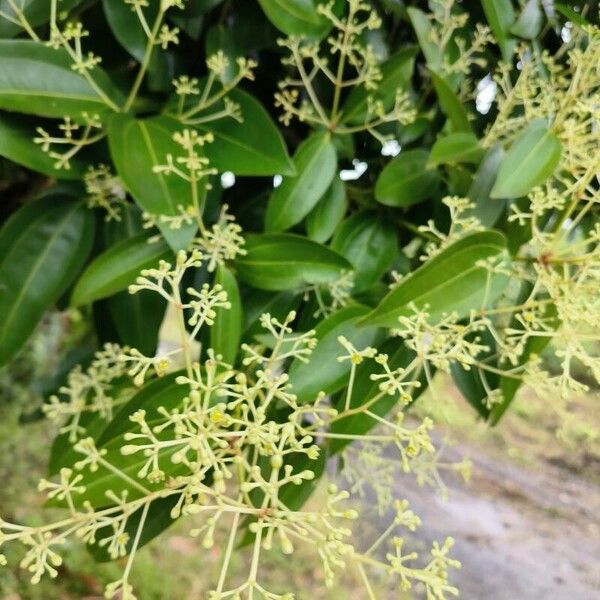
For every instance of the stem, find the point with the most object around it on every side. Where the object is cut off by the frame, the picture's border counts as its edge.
(145, 61)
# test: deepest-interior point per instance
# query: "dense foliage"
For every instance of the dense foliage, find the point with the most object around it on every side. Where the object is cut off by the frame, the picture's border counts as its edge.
(329, 201)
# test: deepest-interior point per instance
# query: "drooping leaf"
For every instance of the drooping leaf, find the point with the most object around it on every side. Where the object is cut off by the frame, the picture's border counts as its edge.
(252, 147)
(280, 261)
(226, 332)
(459, 147)
(323, 372)
(38, 80)
(42, 248)
(450, 282)
(531, 159)
(369, 242)
(406, 180)
(117, 268)
(138, 145)
(323, 219)
(450, 104)
(396, 74)
(315, 164)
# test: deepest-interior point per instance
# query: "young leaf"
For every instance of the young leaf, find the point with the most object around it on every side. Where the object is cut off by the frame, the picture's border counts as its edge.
(450, 282)
(315, 163)
(39, 80)
(226, 332)
(252, 147)
(369, 242)
(531, 159)
(323, 372)
(117, 268)
(327, 214)
(405, 180)
(42, 248)
(136, 146)
(452, 107)
(459, 147)
(280, 261)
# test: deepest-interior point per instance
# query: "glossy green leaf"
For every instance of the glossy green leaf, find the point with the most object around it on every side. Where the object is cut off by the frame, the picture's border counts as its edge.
(450, 104)
(315, 163)
(257, 302)
(16, 144)
(529, 22)
(117, 268)
(323, 219)
(323, 372)
(36, 12)
(369, 242)
(459, 147)
(531, 159)
(226, 332)
(252, 147)
(296, 17)
(396, 74)
(406, 180)
(280, 261)
(136, 146)
(487, 210)
(449, 282)
(500, 15)
(38, 80)
(42, 248)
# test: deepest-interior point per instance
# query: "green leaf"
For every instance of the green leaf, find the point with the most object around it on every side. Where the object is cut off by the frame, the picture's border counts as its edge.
(396, 74)
(323, 372)
(449, 282)
(257, 302)
(487, 209)
(16, 144)
(296, 17)
(226, 332)
(422, 26)
(531, 159)
(500, 16)
(36, 12)
(405, 180)
(566, 11)
(252, 147)
(136, 146)
(39, 80)
(315, 162)
(327, 214)
(452, 107)
(117, 268)
(459, 147)
(283, 261)
(42, 248)
(529, 23)
(369, 242)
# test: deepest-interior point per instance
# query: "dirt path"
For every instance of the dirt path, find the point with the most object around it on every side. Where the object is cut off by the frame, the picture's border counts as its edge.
(520, 534)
